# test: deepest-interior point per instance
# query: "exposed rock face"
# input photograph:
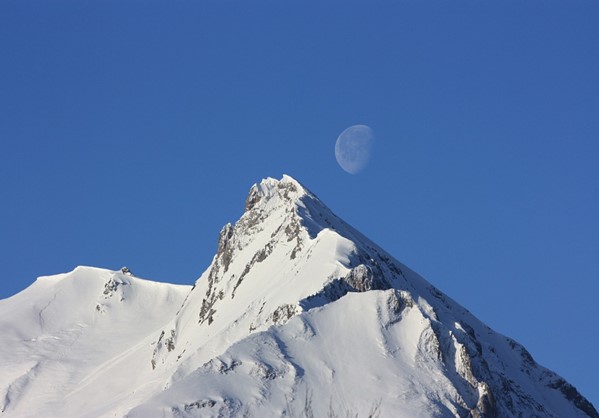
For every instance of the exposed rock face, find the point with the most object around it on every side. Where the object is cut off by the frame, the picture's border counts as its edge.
(573, 395)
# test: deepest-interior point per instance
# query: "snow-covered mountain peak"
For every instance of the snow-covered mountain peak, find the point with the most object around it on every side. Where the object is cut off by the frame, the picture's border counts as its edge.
(297, 310)
(289, 259)
(278, 201)
(288, 253)
(287, 189)
(274, 205)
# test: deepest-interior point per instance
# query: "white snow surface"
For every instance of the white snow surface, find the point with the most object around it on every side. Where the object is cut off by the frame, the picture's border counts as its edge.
(297, 314)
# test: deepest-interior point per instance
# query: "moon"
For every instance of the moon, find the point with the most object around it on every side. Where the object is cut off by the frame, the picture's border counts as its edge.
(354, 148)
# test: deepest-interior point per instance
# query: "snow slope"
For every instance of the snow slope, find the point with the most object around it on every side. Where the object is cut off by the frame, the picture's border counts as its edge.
(67, 341)
(297, 309)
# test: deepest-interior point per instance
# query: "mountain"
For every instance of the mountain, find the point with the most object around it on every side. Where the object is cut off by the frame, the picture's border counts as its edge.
(298, 314)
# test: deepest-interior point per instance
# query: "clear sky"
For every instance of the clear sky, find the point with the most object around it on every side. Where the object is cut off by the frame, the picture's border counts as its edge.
(131, 131)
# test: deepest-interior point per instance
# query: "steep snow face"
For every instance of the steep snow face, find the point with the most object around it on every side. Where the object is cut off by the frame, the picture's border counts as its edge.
(295, 306)
(352, 355)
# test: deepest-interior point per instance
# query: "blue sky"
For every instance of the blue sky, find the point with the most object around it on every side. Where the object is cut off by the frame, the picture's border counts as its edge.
(130, 132)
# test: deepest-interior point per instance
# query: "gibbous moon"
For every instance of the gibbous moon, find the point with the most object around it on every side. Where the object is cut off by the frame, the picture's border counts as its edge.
(353, 148)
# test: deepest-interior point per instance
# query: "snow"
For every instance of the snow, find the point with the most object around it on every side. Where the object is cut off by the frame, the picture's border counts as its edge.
(322, 352)
(296, 305)
(57, 343)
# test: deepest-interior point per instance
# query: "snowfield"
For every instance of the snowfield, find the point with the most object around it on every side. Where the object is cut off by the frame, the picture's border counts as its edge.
(297, 309)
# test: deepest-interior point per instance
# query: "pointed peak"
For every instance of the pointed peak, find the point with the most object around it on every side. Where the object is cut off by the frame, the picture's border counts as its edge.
(287, 188)
(288, 179)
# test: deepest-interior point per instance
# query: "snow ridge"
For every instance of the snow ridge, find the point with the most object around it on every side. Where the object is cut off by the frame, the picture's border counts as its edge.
(295, 305)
